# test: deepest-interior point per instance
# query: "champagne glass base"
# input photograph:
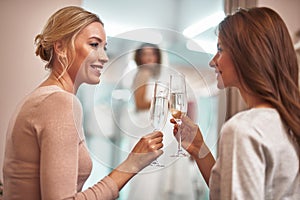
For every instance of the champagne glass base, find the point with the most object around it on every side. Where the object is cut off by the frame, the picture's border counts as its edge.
(155, 163)
(180, 153)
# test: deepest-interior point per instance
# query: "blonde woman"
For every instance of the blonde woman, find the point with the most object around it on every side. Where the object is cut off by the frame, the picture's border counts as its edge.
(46, 156)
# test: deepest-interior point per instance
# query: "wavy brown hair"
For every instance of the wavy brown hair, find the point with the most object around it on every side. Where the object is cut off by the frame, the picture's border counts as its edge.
(265, 60)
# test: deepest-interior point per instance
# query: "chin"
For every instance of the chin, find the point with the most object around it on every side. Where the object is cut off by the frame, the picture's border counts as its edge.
(220, 85)
(93, 82)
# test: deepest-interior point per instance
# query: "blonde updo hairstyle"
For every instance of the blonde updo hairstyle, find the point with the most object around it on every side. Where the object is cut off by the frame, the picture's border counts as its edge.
(64, 25)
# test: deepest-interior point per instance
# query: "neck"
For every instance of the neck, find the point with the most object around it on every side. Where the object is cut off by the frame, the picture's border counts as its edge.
(64, 81)
(253, 101)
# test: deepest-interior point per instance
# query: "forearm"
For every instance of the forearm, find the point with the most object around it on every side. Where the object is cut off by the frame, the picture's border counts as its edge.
(142, 104)
(143, 153)
(123, 173)
(205, 161)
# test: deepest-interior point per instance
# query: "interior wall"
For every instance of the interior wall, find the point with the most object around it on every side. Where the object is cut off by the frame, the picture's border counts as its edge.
(288, 10)
(21, 71)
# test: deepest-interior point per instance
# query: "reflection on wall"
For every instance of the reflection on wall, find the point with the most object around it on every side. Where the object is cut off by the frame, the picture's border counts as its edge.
(108, 107)
(111, 123)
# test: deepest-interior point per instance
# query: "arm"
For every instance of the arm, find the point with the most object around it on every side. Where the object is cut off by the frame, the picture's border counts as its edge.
(144, 152)
(140, 89)
(205, 161)
(59, 147)
(241, 162)
(192, 141)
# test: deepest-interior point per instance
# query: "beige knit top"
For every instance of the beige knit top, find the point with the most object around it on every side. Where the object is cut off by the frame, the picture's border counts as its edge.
(46, 156)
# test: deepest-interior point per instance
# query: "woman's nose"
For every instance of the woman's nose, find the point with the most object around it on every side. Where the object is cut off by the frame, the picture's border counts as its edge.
(212, 62)
(102, 55)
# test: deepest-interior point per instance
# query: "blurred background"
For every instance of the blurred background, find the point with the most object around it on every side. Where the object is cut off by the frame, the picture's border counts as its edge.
(185, 32)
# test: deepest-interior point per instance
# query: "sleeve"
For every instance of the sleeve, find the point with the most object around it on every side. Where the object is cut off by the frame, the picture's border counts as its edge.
(242, 162)
(59, 140)
(103, 190)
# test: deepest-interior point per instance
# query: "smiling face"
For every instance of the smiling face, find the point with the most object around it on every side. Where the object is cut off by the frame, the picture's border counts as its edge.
(224, 68)
(90, 55)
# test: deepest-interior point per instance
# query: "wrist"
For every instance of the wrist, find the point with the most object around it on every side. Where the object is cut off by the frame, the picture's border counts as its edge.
(200, 152)
(204, 151)
(129, 166)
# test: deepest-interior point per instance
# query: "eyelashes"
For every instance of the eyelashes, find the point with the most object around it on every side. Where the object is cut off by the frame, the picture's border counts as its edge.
(96, 45)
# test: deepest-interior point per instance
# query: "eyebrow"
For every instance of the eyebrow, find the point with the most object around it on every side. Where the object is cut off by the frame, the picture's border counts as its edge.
(97, 38)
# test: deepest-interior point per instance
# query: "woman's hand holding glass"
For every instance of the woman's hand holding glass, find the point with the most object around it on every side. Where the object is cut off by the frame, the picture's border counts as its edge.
(144, 152)
(159, 110)
(178, 105)
(191, 137)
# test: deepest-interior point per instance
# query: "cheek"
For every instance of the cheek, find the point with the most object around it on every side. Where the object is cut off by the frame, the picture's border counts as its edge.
(87, 57)
(90, 56)
(83, 60)
(82, 52)
(229, 74)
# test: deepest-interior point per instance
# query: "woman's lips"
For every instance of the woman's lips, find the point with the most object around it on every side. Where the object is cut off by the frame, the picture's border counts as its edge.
(218, 72)
(97, 69)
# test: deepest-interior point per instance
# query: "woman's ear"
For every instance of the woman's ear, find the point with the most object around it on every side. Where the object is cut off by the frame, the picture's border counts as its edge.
(59, 48)
(60, 53)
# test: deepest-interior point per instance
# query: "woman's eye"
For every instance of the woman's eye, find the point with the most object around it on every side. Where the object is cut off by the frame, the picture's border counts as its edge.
(219, 49)
(94, 44)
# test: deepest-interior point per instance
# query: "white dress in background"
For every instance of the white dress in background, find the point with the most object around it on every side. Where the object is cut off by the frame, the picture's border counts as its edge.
(173, 181)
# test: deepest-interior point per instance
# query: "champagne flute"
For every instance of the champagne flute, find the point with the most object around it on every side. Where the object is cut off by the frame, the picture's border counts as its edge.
(159, 110)
(178, 105)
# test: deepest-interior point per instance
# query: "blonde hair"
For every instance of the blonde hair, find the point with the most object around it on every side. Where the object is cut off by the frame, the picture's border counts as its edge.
(64, 25)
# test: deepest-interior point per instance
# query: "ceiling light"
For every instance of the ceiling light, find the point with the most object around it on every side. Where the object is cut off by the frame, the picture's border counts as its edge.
(204, 24)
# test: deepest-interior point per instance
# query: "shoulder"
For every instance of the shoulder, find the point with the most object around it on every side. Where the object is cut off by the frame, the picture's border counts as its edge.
(142, 76)
(59, 96)
(253, 123)
(55, 108)
(52, 99)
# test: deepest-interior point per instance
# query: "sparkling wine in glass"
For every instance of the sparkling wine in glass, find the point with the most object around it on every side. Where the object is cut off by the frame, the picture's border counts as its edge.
(178, 105)
(159, 110)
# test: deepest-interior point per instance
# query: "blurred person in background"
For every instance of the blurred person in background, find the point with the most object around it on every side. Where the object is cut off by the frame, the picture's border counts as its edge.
(165, 182)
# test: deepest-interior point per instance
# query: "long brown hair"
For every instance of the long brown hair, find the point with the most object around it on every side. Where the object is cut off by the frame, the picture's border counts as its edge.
(265, 60)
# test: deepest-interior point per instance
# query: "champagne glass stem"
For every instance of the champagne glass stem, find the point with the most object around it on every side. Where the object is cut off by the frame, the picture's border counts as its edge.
(180, 152)
(179, 142)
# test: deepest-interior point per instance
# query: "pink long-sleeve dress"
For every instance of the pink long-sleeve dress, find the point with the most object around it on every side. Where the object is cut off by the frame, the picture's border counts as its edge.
(46, 156)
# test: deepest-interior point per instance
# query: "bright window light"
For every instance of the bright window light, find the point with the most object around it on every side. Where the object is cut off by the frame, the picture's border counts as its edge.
(113, 29)
(134, 33)
(204, 24)
(203, 46)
